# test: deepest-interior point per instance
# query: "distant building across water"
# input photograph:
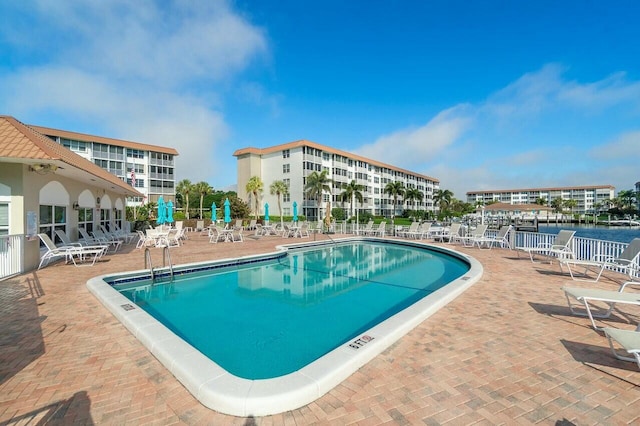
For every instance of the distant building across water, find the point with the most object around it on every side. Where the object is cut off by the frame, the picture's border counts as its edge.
(588, 198)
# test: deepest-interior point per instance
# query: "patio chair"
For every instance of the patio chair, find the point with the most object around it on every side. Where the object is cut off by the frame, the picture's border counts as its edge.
(500, 239)
(200, 227)
(422, 231)
(66, 241)
(560, 247)
(303, 232)
(236, 235)
(103, 238)
(453, 234)
(144, 240)
(69, 252)
(628, 339)
(86, 239)
(379, 231)
(628, 261)
(413, 228)
(252, 225)
(475, 235)
(586, 297)
(361, 231)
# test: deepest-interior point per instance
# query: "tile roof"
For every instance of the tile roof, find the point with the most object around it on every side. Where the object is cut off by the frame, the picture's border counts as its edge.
(100, 139)
(20, 142)
(304, 142)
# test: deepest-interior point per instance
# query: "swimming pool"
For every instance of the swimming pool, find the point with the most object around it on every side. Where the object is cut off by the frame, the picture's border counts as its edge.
(325, 311)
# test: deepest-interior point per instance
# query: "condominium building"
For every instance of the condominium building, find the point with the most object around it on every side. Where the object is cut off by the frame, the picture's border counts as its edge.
(150, 168)
(293, 162)
(588, 198)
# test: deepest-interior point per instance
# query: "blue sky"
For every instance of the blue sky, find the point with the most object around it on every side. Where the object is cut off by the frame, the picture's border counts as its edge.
(479, 94)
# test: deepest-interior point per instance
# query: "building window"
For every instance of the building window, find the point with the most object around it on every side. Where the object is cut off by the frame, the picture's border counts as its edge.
(51, 219)
(4, 218)
(286, 153)
(76, 146)
(286, 168)
(286, 198)
(85, 219)
(105, 219)
(135, 153)
(139, 182)
(287, 182)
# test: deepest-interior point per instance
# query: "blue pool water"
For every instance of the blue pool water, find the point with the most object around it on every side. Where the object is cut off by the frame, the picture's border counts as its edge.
(270, 318)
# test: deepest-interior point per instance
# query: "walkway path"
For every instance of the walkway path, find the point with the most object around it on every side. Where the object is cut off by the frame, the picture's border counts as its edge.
(507, 351)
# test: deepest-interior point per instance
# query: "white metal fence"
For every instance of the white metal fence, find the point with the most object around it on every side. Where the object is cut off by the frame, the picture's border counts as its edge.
(11, 255)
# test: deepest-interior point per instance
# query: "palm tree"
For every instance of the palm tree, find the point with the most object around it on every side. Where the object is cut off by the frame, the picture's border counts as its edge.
(442, 198)
(351, 189)
(279, 188)
(317, 184)
(394, 189)
(202, 188)
(184, 187)
(541, 201)
(413, 194)
(254, 188)
(570, 204)
(627, 197)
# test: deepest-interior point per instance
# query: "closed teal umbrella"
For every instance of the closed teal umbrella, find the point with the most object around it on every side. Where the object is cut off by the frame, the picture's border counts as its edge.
(227, 211)
(266, 212)
(214, 213)
(170, 212)
(161, 211)
(295, 211)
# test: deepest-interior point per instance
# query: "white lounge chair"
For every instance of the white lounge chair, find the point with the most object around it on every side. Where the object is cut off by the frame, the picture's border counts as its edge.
(422, 232)
(500, 239)
(361, 231)
(70, 253)
(586, 297)
(628, 261)
(409, 231)
(103, 238)
(144, 240)
(628, 339)
(452, 234)
(379, 231)
(560, 247)
(475, 235)
(87, 239)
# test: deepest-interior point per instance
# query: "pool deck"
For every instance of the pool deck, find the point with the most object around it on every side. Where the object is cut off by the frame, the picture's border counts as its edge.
(507, 351)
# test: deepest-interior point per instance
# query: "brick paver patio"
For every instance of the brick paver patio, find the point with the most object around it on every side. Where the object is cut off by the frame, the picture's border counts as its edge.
(505, 352)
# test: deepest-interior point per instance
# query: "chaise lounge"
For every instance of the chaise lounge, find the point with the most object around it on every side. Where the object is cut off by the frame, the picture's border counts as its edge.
(587, 296)
(560, 247)
(628, 261)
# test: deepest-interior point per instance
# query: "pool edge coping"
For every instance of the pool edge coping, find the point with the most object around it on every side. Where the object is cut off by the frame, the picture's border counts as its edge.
(221, 391)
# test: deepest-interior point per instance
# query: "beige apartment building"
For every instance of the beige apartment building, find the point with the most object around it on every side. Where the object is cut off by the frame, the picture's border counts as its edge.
(587, 198)
(292, 162)
(152, 166)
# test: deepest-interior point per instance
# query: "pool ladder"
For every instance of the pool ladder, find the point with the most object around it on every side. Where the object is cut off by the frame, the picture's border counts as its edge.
(166, 258)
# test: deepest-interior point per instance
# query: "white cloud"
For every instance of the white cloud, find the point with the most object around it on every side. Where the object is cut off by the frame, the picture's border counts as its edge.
(148, 71)
(624, 148)
(540, 130)
(415, 146)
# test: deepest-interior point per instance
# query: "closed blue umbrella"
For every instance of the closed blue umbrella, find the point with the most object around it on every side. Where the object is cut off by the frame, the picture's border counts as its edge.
(161, 211)
(227, 211)
(214, 213)
(170, 212)
(266, 212)
(295, 211)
